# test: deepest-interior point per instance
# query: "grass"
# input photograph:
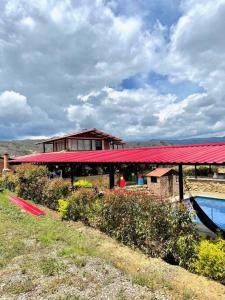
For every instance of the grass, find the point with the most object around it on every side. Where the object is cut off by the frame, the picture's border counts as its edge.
(43, 241)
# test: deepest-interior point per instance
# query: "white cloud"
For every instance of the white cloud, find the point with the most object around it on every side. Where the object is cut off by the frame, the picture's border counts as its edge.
(67, 59)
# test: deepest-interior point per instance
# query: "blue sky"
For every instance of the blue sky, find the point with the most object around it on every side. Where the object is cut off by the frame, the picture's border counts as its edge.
(140, 69)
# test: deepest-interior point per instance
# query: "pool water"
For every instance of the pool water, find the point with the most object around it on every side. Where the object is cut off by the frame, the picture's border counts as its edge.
(214, 208)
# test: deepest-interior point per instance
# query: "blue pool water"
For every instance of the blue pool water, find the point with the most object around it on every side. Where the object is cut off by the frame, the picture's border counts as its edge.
(214, 208)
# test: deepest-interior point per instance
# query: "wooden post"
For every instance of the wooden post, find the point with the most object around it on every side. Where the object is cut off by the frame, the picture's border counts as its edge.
(44, 147)
(181, 187)
(111, 176)
(72, 173)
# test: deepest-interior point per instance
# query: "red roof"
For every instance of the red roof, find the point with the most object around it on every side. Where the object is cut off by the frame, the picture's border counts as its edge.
(185, 154)
(159, 172)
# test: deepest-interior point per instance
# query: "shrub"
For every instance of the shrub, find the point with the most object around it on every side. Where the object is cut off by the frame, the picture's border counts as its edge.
(54, 190)
(82, 184)
(31, 182)
(155, 226)
(63, 208)
(1, 182)
(9, 181)
(84, 205)
(211, 260)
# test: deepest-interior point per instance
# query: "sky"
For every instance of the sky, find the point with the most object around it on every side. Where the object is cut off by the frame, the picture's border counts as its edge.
(139, 69)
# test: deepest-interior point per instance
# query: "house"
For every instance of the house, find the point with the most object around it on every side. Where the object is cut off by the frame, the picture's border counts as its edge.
(163, 182)
(88, 139)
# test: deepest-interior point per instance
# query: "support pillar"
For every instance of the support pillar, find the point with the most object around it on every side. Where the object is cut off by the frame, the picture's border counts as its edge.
(72, 171)
(111, 176)
(195, 172)
(181, 187)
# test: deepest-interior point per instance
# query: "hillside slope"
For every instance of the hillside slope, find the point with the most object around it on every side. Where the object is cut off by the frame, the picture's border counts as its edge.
(44, 258)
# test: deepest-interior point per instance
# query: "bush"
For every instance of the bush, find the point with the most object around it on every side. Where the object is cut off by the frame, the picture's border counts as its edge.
(156, 227)
(54, 190)
(211, 260)
(63, 208)
(31, 182)
(84, 205)
(9, 181)
(82, 184)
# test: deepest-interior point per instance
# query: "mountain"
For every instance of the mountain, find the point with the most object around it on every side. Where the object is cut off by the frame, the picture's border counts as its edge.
(19, 147)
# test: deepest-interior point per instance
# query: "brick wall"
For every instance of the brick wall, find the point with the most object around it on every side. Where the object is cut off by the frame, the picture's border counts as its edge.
(1, 165)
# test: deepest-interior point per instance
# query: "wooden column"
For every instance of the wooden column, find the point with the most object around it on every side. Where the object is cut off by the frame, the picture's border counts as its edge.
(181, 187)
(72, 172)
(111, 176)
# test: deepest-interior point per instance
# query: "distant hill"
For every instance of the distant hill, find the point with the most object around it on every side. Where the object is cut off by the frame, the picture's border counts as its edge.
(154, 142)
(24, 147)
(19, 147)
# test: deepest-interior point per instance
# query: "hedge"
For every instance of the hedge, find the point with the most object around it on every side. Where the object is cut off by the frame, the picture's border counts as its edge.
(137, 219)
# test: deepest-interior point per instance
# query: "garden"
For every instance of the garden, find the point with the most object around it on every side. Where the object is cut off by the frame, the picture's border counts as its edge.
(144, 222)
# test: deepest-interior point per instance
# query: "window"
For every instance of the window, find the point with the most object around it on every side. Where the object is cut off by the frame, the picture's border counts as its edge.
(98, 145)
(87, 145)
(80, 144)
(153, 179)
(73, 144)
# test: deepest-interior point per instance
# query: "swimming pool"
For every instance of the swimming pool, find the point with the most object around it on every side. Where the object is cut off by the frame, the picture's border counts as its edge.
(214, 208)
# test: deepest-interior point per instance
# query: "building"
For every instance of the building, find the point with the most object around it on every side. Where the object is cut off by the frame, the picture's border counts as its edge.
(163, 182)
(88, 139)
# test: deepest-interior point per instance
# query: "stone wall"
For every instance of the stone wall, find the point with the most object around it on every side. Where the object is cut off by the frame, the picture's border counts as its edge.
(214, 186)
(162, 187)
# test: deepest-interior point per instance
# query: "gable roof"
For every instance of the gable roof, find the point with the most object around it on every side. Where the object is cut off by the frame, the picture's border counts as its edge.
(159, 172)
(181, 154)
(94, 131)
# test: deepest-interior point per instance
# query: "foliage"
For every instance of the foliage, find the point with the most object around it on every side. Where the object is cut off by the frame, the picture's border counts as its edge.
(136, 219)
(63, 208)
(9, 181)
(211, 259)
(82, 183)
(54, 190)
(156, 227)
(84, 205)
(31, 182)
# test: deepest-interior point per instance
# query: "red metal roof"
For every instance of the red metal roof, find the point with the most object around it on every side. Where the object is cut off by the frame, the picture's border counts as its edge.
(185, 154)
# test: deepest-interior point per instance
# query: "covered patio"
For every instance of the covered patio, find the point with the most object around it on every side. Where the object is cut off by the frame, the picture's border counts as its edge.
(179, 155)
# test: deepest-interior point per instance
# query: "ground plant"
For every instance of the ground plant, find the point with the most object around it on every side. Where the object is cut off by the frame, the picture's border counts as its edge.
(138, 219)
(211, 259)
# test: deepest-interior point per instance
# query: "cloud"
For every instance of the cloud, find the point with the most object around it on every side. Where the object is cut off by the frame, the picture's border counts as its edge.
(18, 117)
(62, 65)
(53, 51)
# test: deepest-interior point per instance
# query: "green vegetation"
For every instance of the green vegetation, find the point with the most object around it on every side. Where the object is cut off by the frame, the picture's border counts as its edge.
(33, 184)
(137, 219)
(211, 259)
(82, 183)
(42, 249)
